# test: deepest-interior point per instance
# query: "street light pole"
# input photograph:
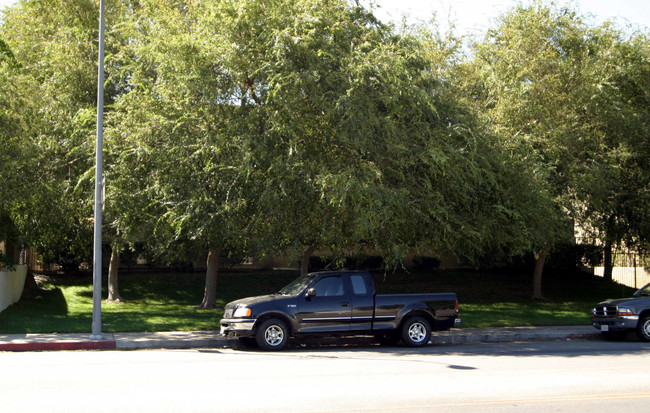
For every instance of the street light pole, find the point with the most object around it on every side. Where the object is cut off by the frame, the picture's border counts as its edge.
(99, 186)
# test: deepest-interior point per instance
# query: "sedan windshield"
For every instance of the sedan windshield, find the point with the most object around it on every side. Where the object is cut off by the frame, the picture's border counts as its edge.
(645, 291)
(297, 285)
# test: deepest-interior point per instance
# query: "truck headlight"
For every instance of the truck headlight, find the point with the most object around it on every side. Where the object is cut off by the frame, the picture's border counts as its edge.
(623, 311)
(242, 312)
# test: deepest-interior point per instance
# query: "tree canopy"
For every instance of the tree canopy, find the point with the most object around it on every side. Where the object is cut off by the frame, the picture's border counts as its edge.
(262, 127)
(564, 94)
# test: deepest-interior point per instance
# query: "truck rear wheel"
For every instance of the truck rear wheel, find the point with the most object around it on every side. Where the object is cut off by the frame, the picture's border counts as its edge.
(272, 335)
(643, 328)
(416, 332)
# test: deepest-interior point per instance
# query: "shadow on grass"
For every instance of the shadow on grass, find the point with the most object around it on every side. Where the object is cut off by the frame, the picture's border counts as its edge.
(40, 310)
(513, 314)
(166, 301)
(148, 322)
(166, 287)
(187, 288)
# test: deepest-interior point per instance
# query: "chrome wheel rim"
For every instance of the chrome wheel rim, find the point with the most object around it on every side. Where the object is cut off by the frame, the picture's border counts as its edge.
(274, 335)
(417, 332)
(646, 328)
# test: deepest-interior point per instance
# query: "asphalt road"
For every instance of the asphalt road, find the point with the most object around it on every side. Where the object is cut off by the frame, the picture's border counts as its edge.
(572, 376)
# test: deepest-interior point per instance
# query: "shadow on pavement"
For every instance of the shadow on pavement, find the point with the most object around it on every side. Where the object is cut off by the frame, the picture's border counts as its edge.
(333, 347)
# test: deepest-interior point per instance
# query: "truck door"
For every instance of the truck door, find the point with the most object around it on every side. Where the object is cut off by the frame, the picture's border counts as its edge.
(363, 302)
(327, 309)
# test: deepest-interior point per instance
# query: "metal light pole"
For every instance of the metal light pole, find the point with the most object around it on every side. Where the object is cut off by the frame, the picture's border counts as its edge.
(99, 186)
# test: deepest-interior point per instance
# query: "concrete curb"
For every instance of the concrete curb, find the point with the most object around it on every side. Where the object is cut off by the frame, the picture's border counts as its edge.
(171, 340)
(212, 339)
(54, 342)
(514, 334)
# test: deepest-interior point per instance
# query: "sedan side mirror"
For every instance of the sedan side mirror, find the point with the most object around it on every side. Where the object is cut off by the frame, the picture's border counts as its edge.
(310, 293)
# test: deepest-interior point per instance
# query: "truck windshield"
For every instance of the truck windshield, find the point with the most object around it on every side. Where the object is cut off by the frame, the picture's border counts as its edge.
(297, 285)
(643, 291)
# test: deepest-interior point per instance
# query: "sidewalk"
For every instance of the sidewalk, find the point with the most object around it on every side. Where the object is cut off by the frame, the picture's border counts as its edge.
(212, 339)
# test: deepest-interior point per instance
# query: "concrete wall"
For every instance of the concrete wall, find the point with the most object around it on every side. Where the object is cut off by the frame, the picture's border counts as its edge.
(11, 285)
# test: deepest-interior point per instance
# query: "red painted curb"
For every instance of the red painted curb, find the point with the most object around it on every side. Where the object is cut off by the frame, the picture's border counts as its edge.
(59, 345)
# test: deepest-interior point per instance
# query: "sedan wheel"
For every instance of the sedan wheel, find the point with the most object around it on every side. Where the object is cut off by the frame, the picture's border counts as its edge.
(643, 328)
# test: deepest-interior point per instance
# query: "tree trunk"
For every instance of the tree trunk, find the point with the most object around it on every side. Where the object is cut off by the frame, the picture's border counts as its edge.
(304, 268)
(210, 292)
(30, 283)
(608, 262)
(113, 290)
(539, 269)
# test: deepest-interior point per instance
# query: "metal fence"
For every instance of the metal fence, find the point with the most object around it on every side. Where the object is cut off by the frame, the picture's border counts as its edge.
(30, 258)
(630, 259)
(634, 277)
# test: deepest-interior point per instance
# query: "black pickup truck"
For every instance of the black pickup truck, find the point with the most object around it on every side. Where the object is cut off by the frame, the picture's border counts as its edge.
(338, 303)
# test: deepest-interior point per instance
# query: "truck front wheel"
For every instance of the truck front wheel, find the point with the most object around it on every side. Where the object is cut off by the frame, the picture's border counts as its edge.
(416, 332)
(643, 328)
(272, 335)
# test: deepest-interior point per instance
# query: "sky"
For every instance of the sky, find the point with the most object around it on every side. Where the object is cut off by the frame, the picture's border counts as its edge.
(475, 16)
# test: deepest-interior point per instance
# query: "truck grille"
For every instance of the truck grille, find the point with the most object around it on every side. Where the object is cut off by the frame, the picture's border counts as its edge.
(605, 311)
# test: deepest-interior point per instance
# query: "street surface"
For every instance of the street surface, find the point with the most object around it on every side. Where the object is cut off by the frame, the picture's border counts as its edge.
(595, 376)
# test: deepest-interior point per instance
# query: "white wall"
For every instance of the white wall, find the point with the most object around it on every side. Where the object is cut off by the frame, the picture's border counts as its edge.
(635, 277)
(11, 285)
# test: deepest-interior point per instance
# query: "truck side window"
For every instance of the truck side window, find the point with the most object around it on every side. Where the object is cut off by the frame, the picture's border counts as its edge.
(358, 285)
(329, 287)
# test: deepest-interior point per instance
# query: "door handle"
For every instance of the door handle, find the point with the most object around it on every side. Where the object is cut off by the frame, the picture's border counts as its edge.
(345, 304)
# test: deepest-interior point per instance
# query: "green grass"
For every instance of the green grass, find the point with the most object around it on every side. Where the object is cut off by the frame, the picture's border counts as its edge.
(154, 302)
(511, 314)
(502, 298)
(166, 301)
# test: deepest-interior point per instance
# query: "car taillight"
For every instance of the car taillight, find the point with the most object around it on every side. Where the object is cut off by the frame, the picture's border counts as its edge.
(457, 305)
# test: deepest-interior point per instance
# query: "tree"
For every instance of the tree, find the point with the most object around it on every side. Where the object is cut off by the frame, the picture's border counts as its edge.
(546, 88)
(320, 102)
(475, 198)
(56, 47)
(612, 186)
(292, 124)
(52, 43)
(526, 74)
(362, 143)
(180, 150)
(14, 151)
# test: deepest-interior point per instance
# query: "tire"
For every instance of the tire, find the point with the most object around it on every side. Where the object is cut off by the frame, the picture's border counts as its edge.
(643, 328)
(272, 335)
(416, 332)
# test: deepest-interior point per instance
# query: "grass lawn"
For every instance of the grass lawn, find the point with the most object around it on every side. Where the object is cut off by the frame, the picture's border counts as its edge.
(502, 298)
(165, 301)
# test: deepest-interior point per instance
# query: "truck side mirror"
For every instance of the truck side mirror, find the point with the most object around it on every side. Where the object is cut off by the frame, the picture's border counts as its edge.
(310, 293)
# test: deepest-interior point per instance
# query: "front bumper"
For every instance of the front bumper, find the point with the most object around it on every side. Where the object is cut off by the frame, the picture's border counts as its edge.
(237, 327)
(618, 323)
